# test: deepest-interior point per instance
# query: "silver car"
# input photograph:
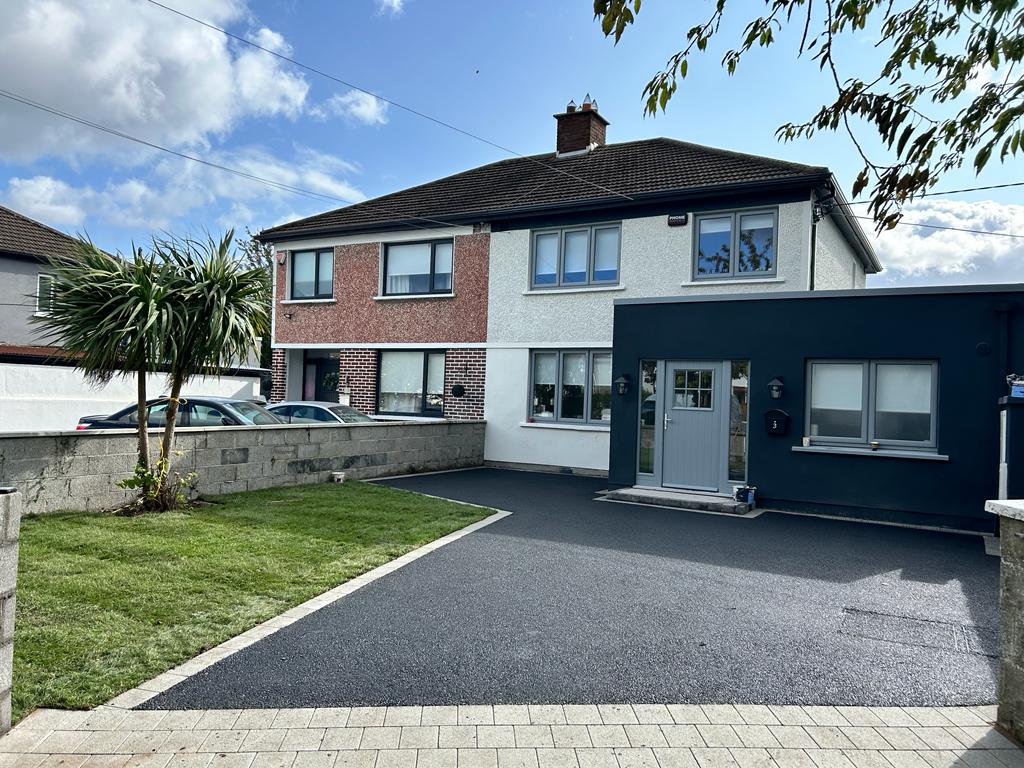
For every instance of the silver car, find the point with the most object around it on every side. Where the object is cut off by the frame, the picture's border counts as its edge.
(317, 411)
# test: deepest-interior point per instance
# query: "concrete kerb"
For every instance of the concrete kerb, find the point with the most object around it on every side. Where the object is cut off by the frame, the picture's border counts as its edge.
(165, 680)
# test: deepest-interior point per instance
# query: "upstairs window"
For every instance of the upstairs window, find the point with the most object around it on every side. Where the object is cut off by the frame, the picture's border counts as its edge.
(418, 268)
(44, 294)
(313, 274)
(738, 244)
(575, 256)
(867, 403)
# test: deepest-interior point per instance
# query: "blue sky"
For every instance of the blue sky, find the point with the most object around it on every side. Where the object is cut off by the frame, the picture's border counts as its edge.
(498, 70)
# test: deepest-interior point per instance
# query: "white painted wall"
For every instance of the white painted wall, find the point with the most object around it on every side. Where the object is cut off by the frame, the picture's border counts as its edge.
(509, 439)
(836, 266)
(37, 398)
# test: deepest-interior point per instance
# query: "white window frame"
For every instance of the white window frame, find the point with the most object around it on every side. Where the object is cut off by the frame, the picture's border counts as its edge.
(869, 399)
(587, 390)
(734, 239)
(591, 281)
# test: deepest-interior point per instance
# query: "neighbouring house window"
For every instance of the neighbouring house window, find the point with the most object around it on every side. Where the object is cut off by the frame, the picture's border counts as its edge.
(411, 383)
(571, 385)
(576, 256)
(648, 410)
(44, 293)
(738, 417)
(418, 268)
(740, 244)
(873, 402)
(313, 274)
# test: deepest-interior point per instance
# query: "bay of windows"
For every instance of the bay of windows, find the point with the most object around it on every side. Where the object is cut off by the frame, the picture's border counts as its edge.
(740, 244)
(571, 386)
(313, 274)
(575, 256)
(411, 382)
(867, 403)
(418, 268)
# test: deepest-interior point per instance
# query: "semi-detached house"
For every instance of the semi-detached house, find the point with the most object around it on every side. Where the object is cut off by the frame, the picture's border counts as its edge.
(489, 293)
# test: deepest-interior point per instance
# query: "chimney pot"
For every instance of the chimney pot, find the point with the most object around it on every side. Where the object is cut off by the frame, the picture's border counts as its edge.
(580, 128)
(571, 106)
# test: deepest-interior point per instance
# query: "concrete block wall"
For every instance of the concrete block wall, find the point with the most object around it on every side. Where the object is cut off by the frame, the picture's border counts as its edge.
(1010, 714)
(78, 470)
(10, 525)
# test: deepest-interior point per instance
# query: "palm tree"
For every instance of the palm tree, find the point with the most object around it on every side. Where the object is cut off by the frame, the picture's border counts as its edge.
(220, 311)
(110, 315)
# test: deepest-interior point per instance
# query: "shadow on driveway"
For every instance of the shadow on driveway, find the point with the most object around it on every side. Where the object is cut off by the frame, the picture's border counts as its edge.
(570, 599)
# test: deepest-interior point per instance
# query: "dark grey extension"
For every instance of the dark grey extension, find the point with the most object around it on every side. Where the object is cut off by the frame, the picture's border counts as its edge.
(574, 600)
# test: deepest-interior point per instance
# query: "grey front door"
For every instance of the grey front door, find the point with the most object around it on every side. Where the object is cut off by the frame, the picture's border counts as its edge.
(693, 423)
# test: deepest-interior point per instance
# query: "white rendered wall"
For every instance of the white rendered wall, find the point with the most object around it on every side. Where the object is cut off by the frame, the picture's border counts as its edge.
(36, 398)
(506, 437)
(836, 266)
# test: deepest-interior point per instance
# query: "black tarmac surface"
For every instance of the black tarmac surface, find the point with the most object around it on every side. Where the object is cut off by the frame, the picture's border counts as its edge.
(574, 600)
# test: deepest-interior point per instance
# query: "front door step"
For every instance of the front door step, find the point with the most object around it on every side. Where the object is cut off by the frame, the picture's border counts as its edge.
(663, 497)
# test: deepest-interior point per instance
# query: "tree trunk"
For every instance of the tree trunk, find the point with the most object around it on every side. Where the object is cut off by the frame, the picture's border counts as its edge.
(167, 443)
(142, 414)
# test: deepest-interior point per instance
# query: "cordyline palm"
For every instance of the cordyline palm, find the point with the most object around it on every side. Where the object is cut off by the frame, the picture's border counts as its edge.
(110, 315)
(219, 313)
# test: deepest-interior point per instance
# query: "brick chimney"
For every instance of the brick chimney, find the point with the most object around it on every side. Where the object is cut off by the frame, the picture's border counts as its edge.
(580, 128)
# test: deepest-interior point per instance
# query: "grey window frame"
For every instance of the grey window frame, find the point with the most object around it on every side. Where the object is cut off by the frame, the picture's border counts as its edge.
(591, 281)
(869, 400)
(318, 253)
(433, 268)
(424, 410)
(587, 390)
(734, 273)
(39, 292)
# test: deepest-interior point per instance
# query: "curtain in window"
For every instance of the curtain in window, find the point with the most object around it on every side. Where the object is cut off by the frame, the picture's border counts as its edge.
(837, 399)
(606, 254)
(545, 259)
(443, 267)
(601, 388)
(545, 370)
(903, 402)
(574, 384)
(577, 254)
(408, 268)
(435, 381)
(401, 382)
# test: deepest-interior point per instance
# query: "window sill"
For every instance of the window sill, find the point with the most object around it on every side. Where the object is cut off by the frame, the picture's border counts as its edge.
(565, 426)
(581, 289)
(735, 281)
(884, 453)
(309, 301)
(405, 297)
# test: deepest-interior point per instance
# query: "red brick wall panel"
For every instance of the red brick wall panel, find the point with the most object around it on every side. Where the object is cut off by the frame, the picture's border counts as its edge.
(356, 317)
(278, 375)
(357, 374)
(468, 368)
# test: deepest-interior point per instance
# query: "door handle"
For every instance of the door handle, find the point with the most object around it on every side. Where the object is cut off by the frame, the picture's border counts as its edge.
(667, 420)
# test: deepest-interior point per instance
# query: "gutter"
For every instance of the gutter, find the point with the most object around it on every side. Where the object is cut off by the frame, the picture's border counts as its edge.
(681, 195)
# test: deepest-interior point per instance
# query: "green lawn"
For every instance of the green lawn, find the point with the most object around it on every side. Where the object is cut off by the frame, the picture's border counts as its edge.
(105, 603)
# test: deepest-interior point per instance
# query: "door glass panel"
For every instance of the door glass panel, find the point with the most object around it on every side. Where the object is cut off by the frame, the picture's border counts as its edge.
(693, 388)
(903, 402)
(574, 384)
(408, 268)
(401, 382)
(648, 411)
(545, 259)
(715, 241)
(435, 381)
(837, 400)
(325, 274)
(738, 418)
(606, 254)
(757, 243)
(309, 382)
(545, 369)
(577, 254)
(303, 274)
(601, 388)
(443, 267)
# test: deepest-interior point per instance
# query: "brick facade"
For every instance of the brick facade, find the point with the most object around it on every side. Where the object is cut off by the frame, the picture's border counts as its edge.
(466, 367)
(357, 375)
(279, 375)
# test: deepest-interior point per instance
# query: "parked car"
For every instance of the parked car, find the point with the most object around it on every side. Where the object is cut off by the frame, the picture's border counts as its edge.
(194, 411)
(312, 411)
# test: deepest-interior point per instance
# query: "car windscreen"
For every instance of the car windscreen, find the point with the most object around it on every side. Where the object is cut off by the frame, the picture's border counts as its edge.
(253, 414)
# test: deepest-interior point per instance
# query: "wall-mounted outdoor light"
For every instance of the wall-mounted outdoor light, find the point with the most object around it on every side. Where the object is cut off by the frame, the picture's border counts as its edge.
(282, 257)
(622, 384)
(775, 388)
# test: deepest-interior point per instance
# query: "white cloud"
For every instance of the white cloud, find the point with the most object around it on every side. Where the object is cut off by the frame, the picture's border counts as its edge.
(393, 7)
(138, 68)
(915, 252)
(354, 105)
(178, 191)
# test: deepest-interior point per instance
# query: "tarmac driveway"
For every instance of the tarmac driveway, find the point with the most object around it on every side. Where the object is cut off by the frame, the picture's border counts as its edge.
(574, 600)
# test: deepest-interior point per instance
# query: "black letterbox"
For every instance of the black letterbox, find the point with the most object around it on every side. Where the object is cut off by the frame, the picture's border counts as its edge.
(776, 422)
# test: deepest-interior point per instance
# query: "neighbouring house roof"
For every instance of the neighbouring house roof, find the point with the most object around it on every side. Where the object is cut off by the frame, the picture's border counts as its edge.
(23, 236)
(628, 172)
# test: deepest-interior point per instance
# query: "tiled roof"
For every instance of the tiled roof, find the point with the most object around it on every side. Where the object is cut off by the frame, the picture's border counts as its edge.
(20, 234)
(633, 169)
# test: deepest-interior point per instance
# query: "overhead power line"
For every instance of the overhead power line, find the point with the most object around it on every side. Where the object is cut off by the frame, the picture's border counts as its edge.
(939, 226)
(955, 191)
(392, 102)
